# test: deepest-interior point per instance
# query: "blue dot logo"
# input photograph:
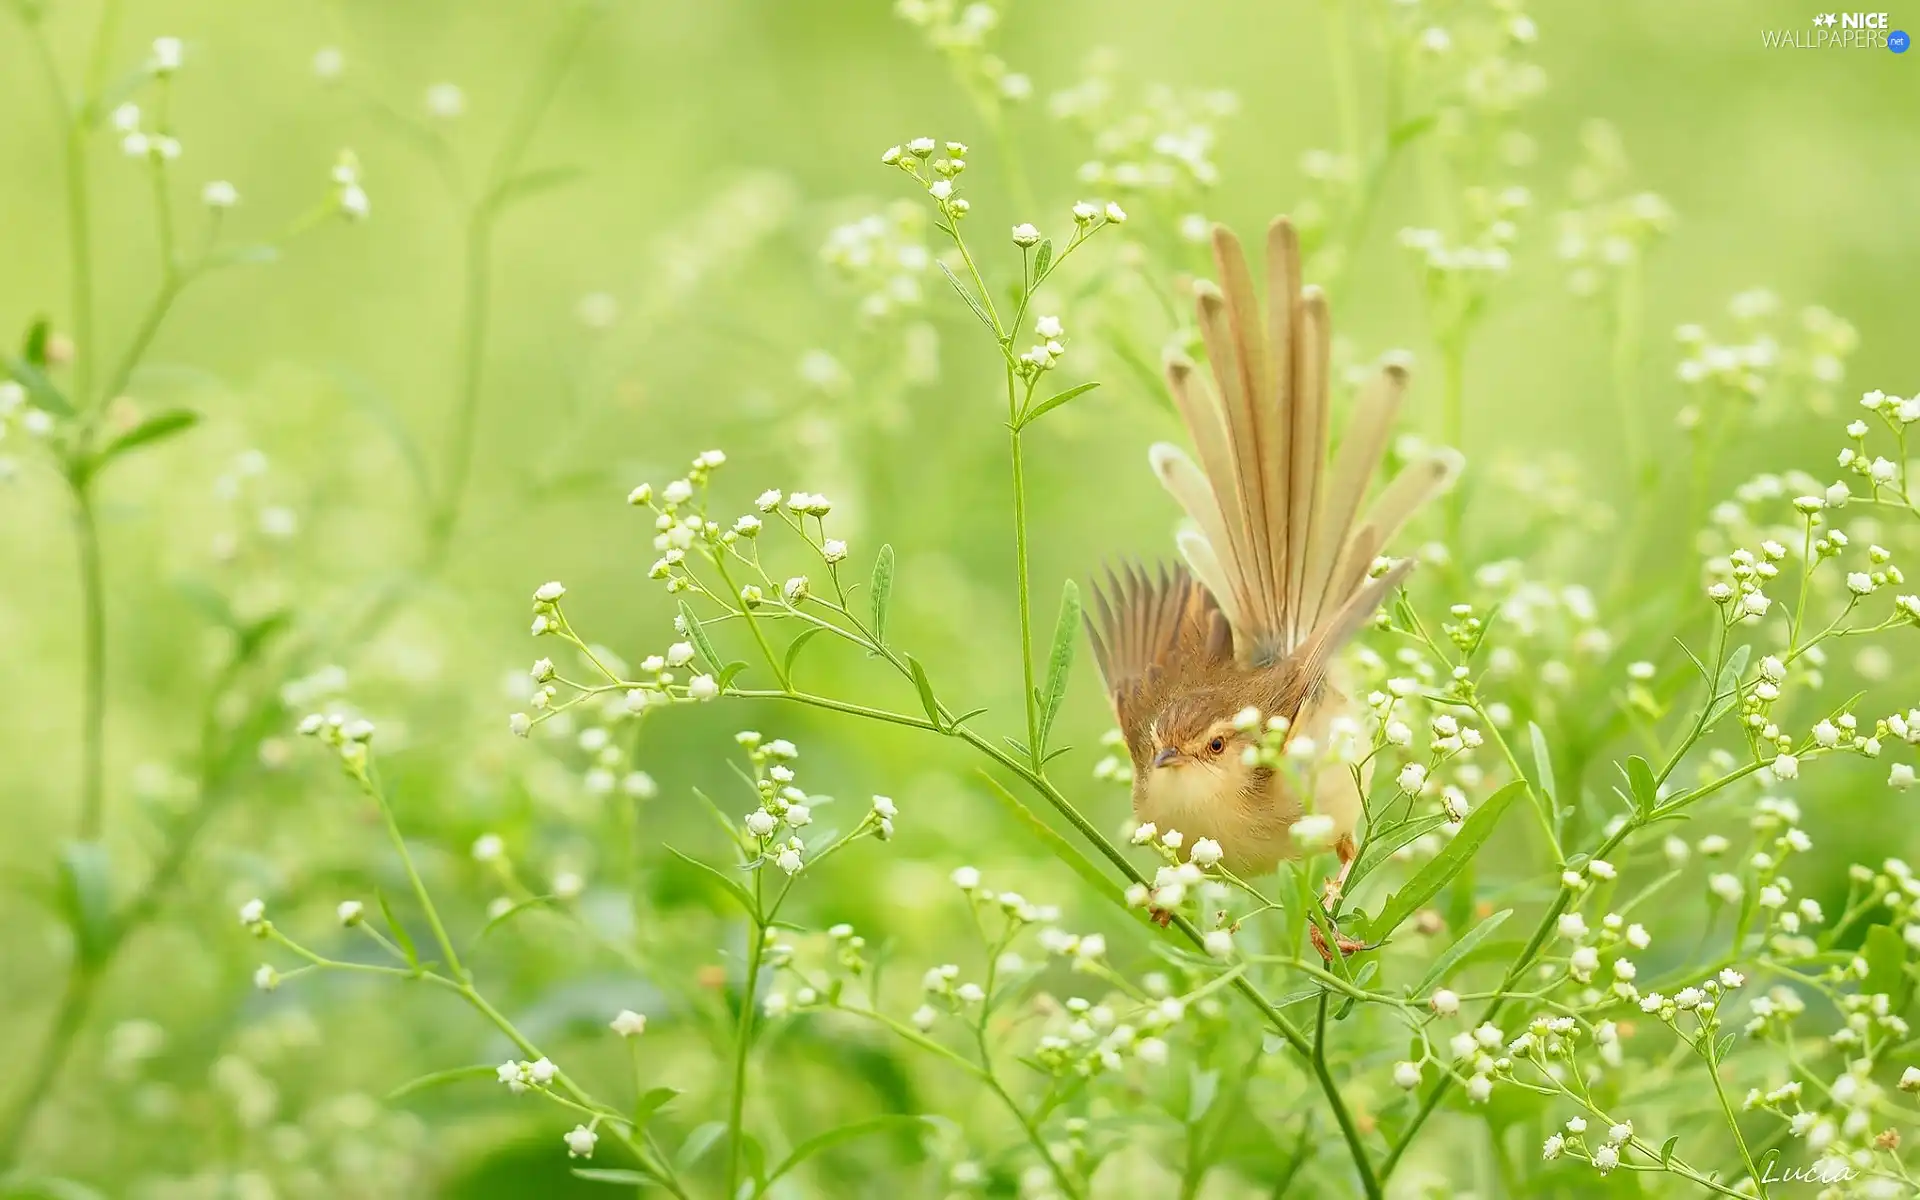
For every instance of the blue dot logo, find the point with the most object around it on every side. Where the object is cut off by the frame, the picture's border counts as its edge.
(1898, 41)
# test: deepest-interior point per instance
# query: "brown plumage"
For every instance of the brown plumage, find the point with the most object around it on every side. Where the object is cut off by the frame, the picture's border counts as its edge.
(1281, 554)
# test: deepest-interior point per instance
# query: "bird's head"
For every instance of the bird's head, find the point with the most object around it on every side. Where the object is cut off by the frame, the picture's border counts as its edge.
(1201, 731)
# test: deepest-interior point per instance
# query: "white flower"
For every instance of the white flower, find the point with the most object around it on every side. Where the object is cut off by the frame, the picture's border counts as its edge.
(1726, 886)
(1606, 1158)
(1638, 937)
(1144, 833)
(1313, 831)
(1172, 839)
(1479, 1088)
(219, 194)
(1910, 1080)
(1049, 328)
(1398, 734)
(488, 848)
(885, 807)
(1412, 777)
(1406, 1075)
(1206, 852)
(350, 912)
(628, 1023)
(1116, 214)
(1489, 1036)
(1445, 1003)
(833, 550)
(1572, 926)
(1901, 777)
(1600, 868)
(703, 687)
(354, 203)
(446, 100)
(965, 878)
(253, 913)
(1827, 734)
(1152, 1050)
(542, 1071)
(549, 592)
(266, 978)
(1219, 943)
(761, 823)
(1025, 235)
(1785, 766)
(1860, 583)
(789, 861)
(679, 654)
(1621, 1132)
(1550, 1150)
(167, 55)
(924, 1017)
(580, 1142)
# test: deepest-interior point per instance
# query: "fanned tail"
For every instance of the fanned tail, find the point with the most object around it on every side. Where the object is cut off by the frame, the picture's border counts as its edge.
(1280, 537)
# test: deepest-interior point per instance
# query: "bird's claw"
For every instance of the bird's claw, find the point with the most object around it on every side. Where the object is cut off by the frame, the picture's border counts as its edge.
(1161, 916)
(1346, 944)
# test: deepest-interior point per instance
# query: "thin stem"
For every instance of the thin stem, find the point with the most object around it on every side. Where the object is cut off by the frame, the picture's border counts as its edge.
(1726, 1107)
(93, 663)
(742, 1044)
(1031, 705)
(75, 1001)
(413, 879)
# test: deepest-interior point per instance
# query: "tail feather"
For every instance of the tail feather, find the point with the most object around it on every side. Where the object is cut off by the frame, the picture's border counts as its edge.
(1283, 540)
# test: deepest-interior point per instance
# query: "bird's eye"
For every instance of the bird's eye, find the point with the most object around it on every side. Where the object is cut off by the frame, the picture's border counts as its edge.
(1216, 745)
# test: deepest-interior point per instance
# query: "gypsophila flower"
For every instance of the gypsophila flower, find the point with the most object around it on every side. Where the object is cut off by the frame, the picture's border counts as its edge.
(1406, 1075)
(580, 1142)
(350, 912)
(1219, 943)
(702, 687)
(628, 1023)
(1606, 1158)
(1445, 1003)
(1025, 235)
(219, 194)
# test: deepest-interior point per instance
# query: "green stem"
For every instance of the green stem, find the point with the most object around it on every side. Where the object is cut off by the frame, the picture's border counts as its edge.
(1032, 705)
(93, 668)
(742, 1045)
(413, 879)
(75, 1001)
(1726, 1107)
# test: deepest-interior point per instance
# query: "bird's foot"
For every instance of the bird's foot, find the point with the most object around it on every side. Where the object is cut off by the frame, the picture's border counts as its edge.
(1346, 944)
(1161, 916)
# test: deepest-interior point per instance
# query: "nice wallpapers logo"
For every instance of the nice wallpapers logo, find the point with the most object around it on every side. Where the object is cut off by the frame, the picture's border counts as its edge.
(1840, 31)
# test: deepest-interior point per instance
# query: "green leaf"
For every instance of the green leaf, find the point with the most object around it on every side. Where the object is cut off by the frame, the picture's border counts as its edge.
(1442, 867)
(968, 297)
(34, 348)
(698, 636)
(1203, 1086)
(880, 587)
(1726, 689)
(844, 1134)
(1886, 956)
(1409, 129)
(1666, 1149)
(1385, 843)
(441, 1079)
(925, 687)
(86, 898)
(155, 428)
(399, 931)
(732, 886)
(1054, 841)
(614, 1175)
(650, 1102)
(1543, 764)
(1052, 402)
(40, 389)
(510, 913)
(698, 1143)
(1646, 793)
(794, 647)
(529, 184)
(1437, 973)
(1066, 634)
(1042, 259)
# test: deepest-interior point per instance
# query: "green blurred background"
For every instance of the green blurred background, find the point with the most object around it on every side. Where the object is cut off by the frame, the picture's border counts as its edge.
(719, 143)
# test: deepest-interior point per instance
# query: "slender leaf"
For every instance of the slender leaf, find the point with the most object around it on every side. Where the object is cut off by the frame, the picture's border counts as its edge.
(34, 348)
(399, 931)
(40, 389)
(1066, 634)
(698, 636)
(1666, 1149)
(1052, 402)
(1383, 844)
(1726, 689)
(1462, 947)
(650, 1102)
(795, 646)
(1454, 858)
(968, 297)
(158, 427)
(441, 1079)
(1543, 765)
(511, 912)
(846, 1133)
(614, 1175)
(1042, 260)
(732, 886)
(86, 898)
(1050, 837)
(698, 1143)
(1646, 793)
(924, 686)
(880, 585)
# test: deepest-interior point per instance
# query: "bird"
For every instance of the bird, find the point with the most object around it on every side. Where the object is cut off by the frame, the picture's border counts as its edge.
(1282, 566)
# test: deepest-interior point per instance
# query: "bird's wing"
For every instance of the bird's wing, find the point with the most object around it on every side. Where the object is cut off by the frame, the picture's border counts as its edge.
(1153, 633)
(1279, 536)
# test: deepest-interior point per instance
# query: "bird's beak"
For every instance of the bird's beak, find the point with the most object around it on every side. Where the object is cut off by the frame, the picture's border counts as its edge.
(1166, 757)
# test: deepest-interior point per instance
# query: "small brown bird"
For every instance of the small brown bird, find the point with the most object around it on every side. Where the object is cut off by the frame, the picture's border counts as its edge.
(1283, 569)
